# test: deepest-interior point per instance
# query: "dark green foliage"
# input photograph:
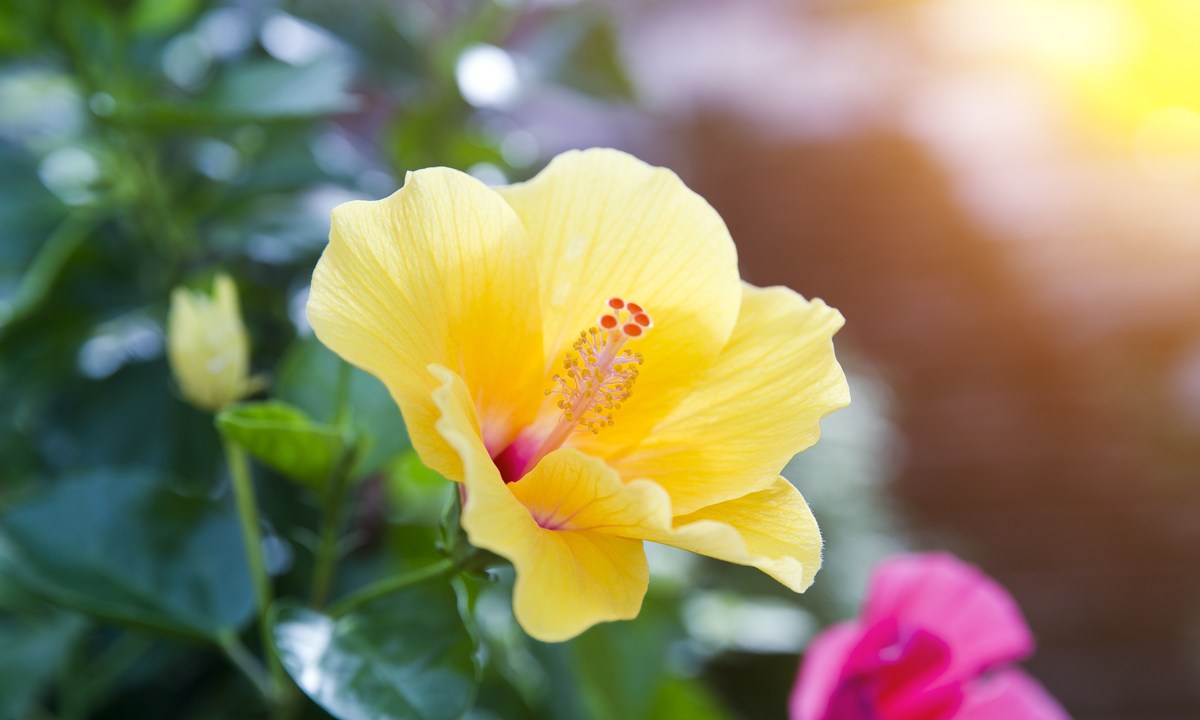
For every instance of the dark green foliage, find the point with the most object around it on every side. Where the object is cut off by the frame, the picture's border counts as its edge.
(35, 644)
(406, 657)
(122, 546)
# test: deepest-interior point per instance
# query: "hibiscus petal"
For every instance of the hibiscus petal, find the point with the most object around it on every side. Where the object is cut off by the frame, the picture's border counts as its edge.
(572, 580)
(1009, 695)
(574, 573)
(758, 405)
(570, 490)
(772, 530)
(906, 677)
(857, 672)
(821, 673)
(605, 224)
(440, 272)
(955, 601)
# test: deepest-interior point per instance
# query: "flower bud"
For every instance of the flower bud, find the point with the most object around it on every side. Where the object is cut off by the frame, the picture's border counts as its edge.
(207, 346)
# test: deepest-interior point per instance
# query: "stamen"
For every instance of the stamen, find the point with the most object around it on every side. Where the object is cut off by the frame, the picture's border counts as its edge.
(598, 374)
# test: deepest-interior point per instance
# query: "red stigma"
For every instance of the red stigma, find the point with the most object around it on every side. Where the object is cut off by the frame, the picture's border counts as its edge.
(634, 308)
(608, 322)
(632, 330)
(617, 303)
(642, 319)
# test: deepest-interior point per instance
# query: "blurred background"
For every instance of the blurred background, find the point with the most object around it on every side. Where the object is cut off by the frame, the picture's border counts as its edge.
(1000, 197)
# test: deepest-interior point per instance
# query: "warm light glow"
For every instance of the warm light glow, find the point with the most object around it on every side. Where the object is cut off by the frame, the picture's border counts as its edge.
(1168, 145)
(1157, 70)
(1124, 70)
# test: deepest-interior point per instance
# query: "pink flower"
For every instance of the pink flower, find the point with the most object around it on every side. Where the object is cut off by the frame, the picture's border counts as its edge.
(934, 643)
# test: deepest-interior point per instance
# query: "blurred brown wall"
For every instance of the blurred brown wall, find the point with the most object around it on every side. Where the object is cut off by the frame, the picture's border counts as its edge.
(1054, 465)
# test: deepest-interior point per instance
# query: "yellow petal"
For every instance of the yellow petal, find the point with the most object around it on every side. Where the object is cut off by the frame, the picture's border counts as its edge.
(440, 272)
(572, 580)
(605, 224)
(500, 521)
(568, 579)
(569, 490)
(772, 530)
(758, 405)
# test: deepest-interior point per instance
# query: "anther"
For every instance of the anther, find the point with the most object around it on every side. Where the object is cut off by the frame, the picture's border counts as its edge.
(599, 372)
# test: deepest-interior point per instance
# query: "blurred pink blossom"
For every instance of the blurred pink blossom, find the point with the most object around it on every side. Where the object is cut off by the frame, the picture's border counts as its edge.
(934, 642)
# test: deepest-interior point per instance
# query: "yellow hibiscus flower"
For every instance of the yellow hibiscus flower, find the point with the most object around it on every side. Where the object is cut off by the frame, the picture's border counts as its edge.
(579, 351)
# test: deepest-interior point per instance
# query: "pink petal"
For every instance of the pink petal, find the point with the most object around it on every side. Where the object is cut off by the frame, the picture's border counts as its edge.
(972, 613)
(1009, 695)
(906, 682)
(821, 673)
(856, 673)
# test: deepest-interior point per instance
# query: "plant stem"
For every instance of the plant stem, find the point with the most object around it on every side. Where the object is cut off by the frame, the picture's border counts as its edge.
(335, 492)
(243, 492)
(72, 705)
(52, 259)
(245, 661)
(331, 508)
(118, 657)
(341, 398)
(391, 585)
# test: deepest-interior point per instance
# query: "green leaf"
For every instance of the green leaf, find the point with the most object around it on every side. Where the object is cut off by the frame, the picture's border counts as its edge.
(271, 90)
(614, 670)
(169, 438)
(123, 547)
(416, 495)
(30, 212)
(307, 378)
(21, 25)
(32, 649)
(283, 437)
(687, 698)
(156, 16)
(580, 51)
(405, 657)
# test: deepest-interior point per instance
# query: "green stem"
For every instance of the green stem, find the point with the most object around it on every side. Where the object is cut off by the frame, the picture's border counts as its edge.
(114, 661)
(391, 585)
(245, 661)
(149, 209)
(71, 703)
(335, 492)
(52, 259)
(326, 558)
(243, 492)
(341, 398)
